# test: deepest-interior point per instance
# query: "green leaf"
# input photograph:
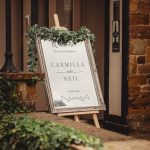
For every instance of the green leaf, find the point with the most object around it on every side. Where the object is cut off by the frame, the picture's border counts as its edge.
(61, 37)
(41, 135)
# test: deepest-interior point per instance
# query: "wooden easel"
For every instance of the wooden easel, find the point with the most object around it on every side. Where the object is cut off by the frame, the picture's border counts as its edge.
(76, 114)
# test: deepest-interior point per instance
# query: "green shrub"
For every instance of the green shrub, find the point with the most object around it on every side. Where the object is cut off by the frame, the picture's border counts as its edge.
(9, 99)
(24, 133)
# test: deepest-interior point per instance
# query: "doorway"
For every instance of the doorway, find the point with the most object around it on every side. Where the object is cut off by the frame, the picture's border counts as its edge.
(116, 65)
(100, 16)
(90, 13)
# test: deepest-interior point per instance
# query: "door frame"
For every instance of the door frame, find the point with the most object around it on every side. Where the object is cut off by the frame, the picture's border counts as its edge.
(113, 122)
(76, 4)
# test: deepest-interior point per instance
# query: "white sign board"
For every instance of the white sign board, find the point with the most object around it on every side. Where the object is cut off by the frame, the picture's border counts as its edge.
(71, 78)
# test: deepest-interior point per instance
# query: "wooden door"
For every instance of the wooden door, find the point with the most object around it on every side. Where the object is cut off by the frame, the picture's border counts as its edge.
(93, 17)
(26, 18)
(68, 12)
(2, 32)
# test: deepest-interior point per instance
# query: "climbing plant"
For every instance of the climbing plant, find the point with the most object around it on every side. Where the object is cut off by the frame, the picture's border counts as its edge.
(10, 98)
(62, 37)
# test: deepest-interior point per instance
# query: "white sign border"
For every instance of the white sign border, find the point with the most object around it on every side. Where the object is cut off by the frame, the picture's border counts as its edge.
(94, 76)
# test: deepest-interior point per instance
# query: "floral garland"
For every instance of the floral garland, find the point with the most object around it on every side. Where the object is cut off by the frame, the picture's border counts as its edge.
(61, 36)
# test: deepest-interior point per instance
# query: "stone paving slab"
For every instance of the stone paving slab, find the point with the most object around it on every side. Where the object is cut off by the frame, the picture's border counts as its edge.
(134, 144)
(105, 135)
(111, 140)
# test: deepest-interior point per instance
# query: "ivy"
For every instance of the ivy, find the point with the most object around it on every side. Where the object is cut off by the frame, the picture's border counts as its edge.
(33, 81)
(9, 99)
(62, 37)
(27, 133)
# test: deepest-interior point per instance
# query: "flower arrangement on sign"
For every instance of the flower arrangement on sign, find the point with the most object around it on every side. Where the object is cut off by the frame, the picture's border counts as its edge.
(59, 35)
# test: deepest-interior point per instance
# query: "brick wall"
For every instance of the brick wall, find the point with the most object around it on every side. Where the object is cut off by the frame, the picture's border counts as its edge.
(26, 89)
(139, 63)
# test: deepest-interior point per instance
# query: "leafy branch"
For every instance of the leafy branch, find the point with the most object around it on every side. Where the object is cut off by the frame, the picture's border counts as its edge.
(59, 36)
(26, 133)
(9, 98)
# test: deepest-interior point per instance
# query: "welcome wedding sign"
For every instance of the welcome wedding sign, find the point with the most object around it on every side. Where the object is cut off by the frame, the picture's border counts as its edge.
(71, 77)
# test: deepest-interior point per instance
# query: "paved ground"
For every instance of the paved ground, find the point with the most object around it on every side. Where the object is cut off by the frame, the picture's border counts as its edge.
(111, 140)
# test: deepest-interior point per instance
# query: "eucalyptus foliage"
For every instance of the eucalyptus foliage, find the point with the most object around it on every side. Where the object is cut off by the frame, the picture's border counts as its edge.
(62, 37)
(24, 133)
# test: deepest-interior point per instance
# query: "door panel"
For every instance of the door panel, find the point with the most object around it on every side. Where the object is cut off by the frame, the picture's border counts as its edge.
(26, 25)
(64, 9)
(93, 18)
(76, 14)
(115, 66)
(42, 20)
(2, 33)
(43, 14)
(16, 36)
(68, 12)
(52, 11)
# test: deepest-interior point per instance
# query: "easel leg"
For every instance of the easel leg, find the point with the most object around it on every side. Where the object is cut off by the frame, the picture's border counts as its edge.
(76, 118)
(97, 125)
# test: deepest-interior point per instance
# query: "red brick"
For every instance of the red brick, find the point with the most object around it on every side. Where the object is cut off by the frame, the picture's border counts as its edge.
(132, 70)
(141, 99)
(133, 5)
(148, 43)
(144, 95)
(138, 18)
(144, 6)
(148, 75)
(139, 32)
(137, 80)
(134, 90)
(144, 68)
(133, 31)
(135, 106)
(137, 47)
(141, 59)
(26, 91)
(132, 64)
(137, 117)
(144, 32)
(145, 88)
(140, 103)
(148, 55)
(31, 93)
(131, 98)
(148, 81)
(139, 113)
(132, 60)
